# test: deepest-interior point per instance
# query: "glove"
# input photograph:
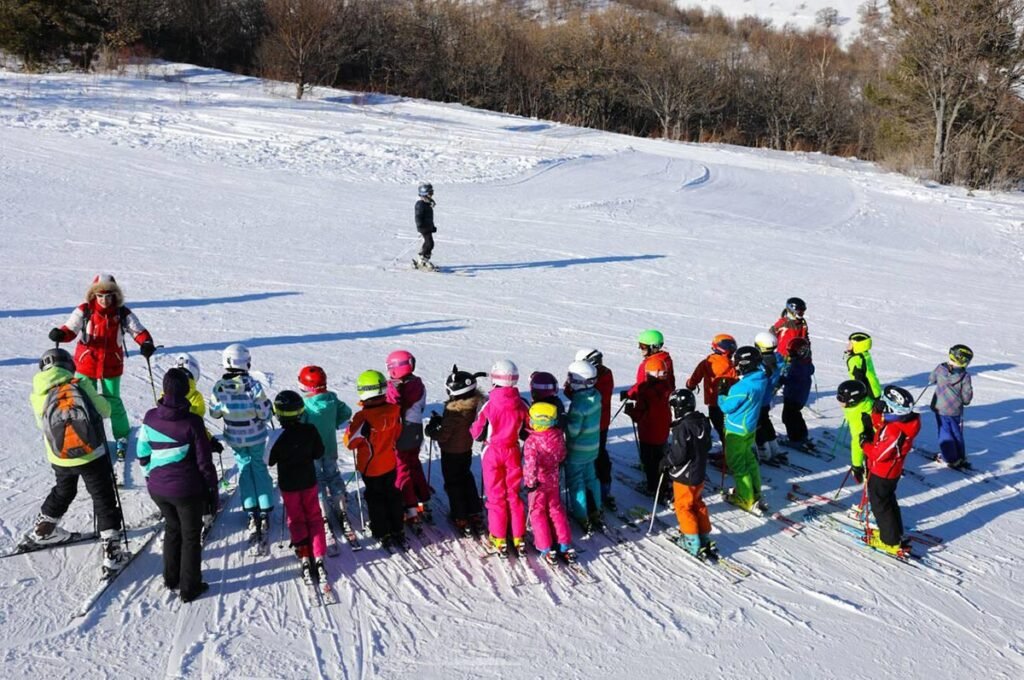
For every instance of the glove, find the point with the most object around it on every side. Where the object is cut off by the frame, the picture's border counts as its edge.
(630, 409)
(623, 395)
(55, 335)
(858, 473)
(864, 438)
(216, 446)
(878, 406)
(147, 349)
(433, 427)
(723, 386)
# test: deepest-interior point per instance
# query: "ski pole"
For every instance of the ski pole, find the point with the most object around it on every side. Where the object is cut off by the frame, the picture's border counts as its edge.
(220, 464)
(152, 384)
(837, 438)
(926, 388)
(864, 504)
(616, 414)
(120, 508)
(359, 502)
(430, 459)
(845, 479)
(654, 509)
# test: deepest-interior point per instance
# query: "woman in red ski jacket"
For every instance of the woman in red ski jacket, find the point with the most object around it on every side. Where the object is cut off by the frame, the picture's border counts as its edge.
(100, 324)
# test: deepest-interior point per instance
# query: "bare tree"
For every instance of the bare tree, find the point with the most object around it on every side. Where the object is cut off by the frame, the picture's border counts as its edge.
(944, 50)
(302, 44)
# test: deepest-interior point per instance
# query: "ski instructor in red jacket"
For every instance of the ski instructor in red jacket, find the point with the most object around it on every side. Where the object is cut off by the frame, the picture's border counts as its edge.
(100, 323)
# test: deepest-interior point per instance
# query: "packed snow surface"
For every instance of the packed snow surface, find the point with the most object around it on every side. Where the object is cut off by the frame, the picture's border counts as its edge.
(231, 213)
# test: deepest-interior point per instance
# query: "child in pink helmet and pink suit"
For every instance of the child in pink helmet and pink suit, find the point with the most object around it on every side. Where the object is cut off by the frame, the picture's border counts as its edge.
(543, 453)
(500, 421)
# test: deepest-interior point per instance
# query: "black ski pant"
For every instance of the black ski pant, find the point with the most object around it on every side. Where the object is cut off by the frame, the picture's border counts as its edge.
(793, 419)
(98, 476)
(765, 429)
(384, 505)
(428, 244)
(718, 421)
(603, 467)
(183, 547)
(460, 485)
(650, 459)
(882, 496)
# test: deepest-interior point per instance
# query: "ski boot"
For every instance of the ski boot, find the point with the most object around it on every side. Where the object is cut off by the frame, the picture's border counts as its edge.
(307, 570)
(858, 512)
(550, 556)
(462, 526)
(121, 448)
(778, 456)
(501, 546)
(568, 553)
(519, 546)
(761, 506)
(476, 524)
(688, 542)
(596, 521)
(413, 521)
(189, 597)
(608, 503)
(321, 570)
(399, 541)
(114, 555)
(874, 539)
(708, 551)
(46, 531)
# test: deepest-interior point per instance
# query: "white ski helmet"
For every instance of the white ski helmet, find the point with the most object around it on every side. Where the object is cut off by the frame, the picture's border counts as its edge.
(189, 363)
(504, 373)
(582, 375)
(765, 341)
(591, 356)
(236, 356)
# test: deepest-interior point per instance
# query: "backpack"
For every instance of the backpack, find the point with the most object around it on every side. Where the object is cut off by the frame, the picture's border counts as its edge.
(71, 424)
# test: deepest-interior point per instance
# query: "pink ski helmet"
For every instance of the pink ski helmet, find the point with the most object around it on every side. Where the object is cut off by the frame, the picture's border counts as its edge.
(400, 364)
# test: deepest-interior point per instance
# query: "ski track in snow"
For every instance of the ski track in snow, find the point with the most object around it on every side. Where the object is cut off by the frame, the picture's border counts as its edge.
(230, 213)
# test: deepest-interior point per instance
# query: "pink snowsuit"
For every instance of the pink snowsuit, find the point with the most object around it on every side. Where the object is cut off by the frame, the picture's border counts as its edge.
(542, 454)
(305, 522)
(504, 414)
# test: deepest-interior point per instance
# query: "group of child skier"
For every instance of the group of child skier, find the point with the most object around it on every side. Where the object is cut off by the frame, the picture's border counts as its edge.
(386, 434)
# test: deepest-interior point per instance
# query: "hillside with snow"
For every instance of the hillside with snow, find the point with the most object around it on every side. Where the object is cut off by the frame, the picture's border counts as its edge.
(802, 14)
(231, 213)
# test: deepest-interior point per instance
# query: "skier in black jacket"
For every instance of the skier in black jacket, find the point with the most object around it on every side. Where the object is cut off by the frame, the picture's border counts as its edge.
(686, 457)
(425, 226)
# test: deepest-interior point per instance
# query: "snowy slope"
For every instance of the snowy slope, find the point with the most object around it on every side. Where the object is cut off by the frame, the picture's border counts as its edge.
(231, 213)
(801, 14)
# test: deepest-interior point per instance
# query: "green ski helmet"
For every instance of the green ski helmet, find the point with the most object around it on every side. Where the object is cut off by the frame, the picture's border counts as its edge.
(651, 338)
(371, 384)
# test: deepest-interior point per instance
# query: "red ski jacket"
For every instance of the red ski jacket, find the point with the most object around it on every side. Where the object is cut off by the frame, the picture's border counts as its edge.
(894, 437)
(100, 332)
(651, 411)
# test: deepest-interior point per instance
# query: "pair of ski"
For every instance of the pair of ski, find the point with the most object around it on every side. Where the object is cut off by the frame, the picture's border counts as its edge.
(108, 578)
(808, 447)
(790, 526)
(815, 517)
(317, 585)
(333, 517)
(800, 495)
(26, 545)
(639, 517)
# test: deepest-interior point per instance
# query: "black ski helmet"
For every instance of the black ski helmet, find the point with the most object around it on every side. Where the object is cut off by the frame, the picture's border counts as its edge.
(897, 400)
(796, 305)
(288, 406)
(682, 402)
(746, 360)
(57, 357)
(460, 383)
(426, 189)
(851, 392)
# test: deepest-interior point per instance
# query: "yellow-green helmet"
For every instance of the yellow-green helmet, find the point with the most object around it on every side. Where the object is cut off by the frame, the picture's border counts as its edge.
(860, 342)
(543, 416)
(371, 384)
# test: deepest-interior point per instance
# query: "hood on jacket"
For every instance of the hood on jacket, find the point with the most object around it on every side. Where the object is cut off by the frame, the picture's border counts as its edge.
(105, 283)
(176, 388)
(467, 403)
(44, 381)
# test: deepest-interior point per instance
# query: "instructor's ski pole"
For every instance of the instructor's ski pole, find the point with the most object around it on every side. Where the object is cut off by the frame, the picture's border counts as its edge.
(616, 414)
(926, 388)
(654, 509)
(152, 384)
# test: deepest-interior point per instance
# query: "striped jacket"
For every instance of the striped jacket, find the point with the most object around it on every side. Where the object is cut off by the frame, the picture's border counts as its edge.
(239, 399)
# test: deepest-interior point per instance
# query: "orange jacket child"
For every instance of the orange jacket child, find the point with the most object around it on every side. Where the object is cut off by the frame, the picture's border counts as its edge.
(372, 434)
